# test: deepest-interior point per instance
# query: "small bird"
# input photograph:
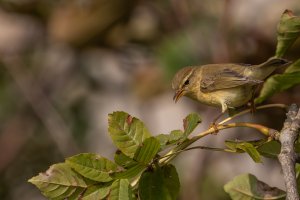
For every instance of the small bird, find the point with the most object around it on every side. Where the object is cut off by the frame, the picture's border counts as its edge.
(223, 85)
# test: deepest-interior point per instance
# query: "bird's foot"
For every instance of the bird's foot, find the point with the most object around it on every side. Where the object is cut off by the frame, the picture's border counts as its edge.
(252, 106)
(215, 127)
(251, 103)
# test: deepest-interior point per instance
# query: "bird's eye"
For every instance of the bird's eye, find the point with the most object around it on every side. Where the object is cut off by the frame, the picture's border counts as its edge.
(186, 82)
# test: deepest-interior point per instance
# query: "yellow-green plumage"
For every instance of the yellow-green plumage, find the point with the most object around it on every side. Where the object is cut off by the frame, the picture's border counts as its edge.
(222, 85)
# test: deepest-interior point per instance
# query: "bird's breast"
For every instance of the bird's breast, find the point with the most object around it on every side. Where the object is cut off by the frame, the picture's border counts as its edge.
(233, 97)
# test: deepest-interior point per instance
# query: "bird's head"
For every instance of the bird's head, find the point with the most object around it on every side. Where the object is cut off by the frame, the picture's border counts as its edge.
(181, 82)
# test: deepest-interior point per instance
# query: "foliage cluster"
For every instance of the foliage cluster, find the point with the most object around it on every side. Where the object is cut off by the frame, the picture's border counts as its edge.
(141, 167)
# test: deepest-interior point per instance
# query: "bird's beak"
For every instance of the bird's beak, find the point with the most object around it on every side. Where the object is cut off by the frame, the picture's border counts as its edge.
(179, 93)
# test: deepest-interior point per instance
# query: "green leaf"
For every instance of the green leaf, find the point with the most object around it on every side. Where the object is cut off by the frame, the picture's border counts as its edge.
(248, 147)
(297, 168)
(176, 136)
(130, 172)
(251, 151)
(92, 166)
(121, 190)
(295, 67)
(297, 146)
(147, 151)
(127, 132)
(288, 30)
(142, 158)
(247, 187)
(270, 149)
(159, 184)
(72, 193)
(168, 139)
(163, 139)
(190, 123)
(123, 160)
(59, 181)
(278, 83)
(97, 192)
(233, 145)
(75, 195)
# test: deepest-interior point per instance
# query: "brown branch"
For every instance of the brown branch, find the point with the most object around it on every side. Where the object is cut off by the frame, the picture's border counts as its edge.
(264, 130)
(287, 156)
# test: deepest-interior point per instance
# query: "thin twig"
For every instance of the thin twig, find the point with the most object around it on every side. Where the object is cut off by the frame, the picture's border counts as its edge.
(264, 130)
(287, 156)
(257, 108)
(198, 147)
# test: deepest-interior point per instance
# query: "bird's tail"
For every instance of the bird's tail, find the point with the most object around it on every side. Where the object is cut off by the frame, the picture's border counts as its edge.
(263, 70)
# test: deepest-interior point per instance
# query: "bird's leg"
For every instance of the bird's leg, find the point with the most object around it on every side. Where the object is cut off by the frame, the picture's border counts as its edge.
(252, 104)
(218, 117)
(213, 124)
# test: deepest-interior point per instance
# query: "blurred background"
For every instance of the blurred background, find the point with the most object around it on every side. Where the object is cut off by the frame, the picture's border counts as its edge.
(66, 64)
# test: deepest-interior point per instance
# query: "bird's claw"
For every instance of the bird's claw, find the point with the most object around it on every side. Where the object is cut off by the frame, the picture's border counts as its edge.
(252, 106)
(215, 127)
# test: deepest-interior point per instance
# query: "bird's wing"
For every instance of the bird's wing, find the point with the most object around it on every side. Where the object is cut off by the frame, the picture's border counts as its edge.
(217, 77)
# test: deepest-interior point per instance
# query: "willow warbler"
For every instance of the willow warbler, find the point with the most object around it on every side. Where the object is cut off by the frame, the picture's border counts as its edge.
(223, 85)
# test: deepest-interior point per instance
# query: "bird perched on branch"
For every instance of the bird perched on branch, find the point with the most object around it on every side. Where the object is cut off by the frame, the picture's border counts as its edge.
(223, 85)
